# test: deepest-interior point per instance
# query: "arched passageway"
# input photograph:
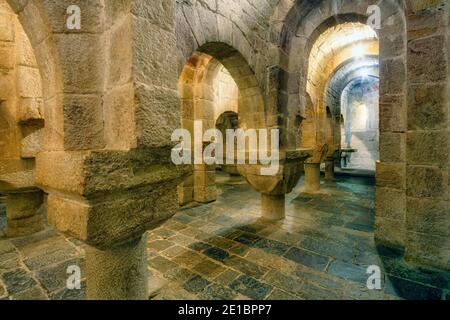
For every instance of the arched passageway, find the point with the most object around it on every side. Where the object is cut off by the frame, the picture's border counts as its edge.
(209, 85)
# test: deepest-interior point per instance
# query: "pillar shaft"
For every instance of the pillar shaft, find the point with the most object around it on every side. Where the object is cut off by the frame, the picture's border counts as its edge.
(312, 177)
(23, 211)
(118, 273)
(273, 206)
(329, 170)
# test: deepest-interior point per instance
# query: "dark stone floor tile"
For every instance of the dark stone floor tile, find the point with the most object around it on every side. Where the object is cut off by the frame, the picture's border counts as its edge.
(251, 228)
(66, 294)
(216, 253)
(196, 284)
(55, 277)
(182, 218)
(329, 249)
(309, 259)
(218, 292)
(412, 291)
(348, 271)
(247, 267)
(360, 227)
(239, 249)
(272, 246)
(229, 233)
(221, 242)
(18, 281)
(284, 282)
(199, 246)
(247, 238)
(45, 260)
(251, 287)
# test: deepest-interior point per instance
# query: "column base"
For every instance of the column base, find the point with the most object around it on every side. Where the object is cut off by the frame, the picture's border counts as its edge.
(273, 207)
(118, 273)
(312, 177)
(329, 170)
(24, 215)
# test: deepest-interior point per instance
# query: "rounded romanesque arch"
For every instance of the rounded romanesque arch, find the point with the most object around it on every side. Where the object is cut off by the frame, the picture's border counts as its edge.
(303, 22)
(34, 18)
(199, 104)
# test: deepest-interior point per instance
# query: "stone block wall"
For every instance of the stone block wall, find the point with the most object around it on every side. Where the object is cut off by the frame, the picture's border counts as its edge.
(427, 220)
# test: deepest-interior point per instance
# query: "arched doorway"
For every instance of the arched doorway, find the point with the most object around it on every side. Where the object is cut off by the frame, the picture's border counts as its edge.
(214, 80)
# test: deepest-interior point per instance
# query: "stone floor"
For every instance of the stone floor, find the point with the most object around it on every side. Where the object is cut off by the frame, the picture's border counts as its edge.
(223, 250)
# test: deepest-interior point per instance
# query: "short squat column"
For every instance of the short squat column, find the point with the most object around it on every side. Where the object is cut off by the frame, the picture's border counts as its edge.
(23, 211)
(329, 170)
(118, 273)
(312, 177)
(273, 206)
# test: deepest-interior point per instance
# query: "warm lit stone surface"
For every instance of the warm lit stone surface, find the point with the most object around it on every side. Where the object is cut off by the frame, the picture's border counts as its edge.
(224, 250)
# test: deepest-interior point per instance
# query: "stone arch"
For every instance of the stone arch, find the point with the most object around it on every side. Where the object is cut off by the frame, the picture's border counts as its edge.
(349, 69)
(301, 24)
(36, 24)
(197, 100)
(251, 101)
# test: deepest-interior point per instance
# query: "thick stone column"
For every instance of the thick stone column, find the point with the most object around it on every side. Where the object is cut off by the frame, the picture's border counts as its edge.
(329, 169)
(205, 183)
(273, 206)
(273, 188)
(118, 273)
(24, 216)
(312, 177)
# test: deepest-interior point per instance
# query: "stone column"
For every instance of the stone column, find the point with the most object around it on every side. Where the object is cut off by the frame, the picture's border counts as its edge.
(118, 273)
(23, 213)
(329, 169)
(205, 183)
(312, 177)
(273, 206)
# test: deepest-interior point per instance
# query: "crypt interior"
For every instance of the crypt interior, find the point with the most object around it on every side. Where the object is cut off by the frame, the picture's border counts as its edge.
(86, 122)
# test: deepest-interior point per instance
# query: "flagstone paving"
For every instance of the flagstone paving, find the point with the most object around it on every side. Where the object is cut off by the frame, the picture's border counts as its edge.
(223, 250)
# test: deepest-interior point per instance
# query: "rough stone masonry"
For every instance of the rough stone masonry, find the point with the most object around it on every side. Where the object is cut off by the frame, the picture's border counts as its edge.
(87, 114)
